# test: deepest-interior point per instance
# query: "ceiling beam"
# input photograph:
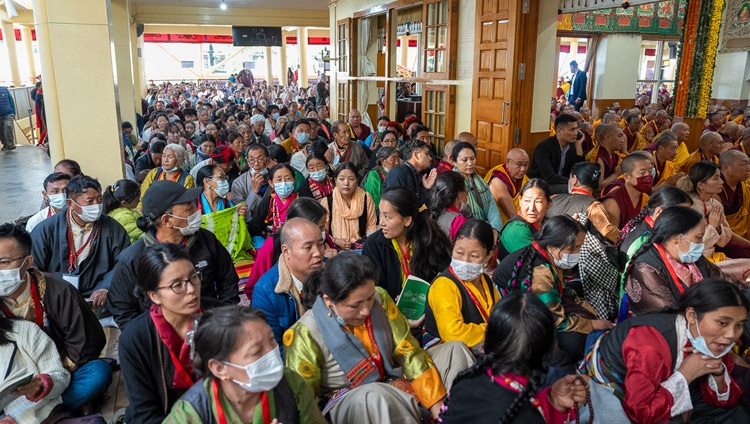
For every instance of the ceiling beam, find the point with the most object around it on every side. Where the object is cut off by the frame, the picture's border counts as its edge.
(236, 16)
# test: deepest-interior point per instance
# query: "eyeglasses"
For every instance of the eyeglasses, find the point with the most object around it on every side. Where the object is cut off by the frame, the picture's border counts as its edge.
(179, 287)
(256, 160)
(519, 164)
(7, 262)
(219, 178)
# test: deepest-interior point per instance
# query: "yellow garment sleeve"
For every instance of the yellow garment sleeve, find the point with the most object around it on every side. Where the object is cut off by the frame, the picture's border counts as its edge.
(303, 355)
(681, 156)
(146, 184)
(446, 303)
(415, 363)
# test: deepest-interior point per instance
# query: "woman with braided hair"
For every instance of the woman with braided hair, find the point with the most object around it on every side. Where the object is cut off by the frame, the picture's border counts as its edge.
(449, 205)
(519, 341)
(636, 232)
(669, 262)
(539, 269)
(676, 366)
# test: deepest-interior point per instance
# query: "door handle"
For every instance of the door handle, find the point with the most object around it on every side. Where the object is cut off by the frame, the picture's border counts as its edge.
(502, 113)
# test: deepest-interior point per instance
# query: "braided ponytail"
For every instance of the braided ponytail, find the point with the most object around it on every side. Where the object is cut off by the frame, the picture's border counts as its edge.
(631, 225)
(522, 272)
(535, 381)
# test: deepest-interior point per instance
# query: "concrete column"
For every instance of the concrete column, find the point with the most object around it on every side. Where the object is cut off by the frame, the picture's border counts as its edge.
(138, 90)
(79, 82)
(26, 37)
(283, 79)
(120, 29)
(269, 66)
(404, 52)
(302, 45)
(10, 44)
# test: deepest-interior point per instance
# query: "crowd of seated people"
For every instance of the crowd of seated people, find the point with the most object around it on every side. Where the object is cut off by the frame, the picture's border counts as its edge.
(264, 263)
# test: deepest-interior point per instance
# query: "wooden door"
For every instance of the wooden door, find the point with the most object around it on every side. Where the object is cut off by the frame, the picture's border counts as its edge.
(344, 68)
(494, 65)
(438, 50)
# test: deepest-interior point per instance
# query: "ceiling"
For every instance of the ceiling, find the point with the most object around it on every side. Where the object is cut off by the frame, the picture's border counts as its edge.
(264, 4)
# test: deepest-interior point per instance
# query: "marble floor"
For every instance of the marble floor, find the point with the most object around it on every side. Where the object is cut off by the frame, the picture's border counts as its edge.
(22, 172)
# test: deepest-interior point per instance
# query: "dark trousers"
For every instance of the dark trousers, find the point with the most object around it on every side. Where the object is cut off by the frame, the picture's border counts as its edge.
(7, 134)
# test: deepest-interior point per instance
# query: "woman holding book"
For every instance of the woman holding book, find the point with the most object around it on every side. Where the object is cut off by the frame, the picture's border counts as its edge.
(355, 349)
(461, 297)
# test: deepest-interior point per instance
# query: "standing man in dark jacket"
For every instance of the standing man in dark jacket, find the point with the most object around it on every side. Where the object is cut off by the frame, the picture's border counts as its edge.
(170, 217)
(555, 156)
(413, 172)
(7, 114)
(81, 244)
(61, 312)
(577, 93)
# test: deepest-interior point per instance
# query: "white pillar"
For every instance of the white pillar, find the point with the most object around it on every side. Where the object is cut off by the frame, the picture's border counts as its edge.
(283, 80)
(26, 37)
(269, 66)
(10, 44)
(302, 44)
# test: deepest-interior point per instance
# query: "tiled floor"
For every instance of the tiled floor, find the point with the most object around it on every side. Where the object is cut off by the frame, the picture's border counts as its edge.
(22, 172)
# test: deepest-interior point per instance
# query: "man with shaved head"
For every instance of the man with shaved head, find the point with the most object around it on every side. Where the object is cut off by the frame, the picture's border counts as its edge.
(278, 291)
(625, 201)
(446, 164)
(468, 138)
(667, 173)
(506, 181)
(716, 120)
(730, 133)
(735, 171)
(610, 139)
(586, 113)
(709, 149)
(653, 127)
(636, 140)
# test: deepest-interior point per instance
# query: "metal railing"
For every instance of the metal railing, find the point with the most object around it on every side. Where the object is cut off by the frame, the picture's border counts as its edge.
(24, 106)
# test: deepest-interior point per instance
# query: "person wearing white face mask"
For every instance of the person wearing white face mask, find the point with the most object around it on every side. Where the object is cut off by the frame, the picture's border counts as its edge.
(239, 362)
(461, 297)
(172, 158)
(670, 261)
(665, 365)
(539, 269)
(170, 215)
(57, 308)
(317, 182)
(81, 245)
(54, 195)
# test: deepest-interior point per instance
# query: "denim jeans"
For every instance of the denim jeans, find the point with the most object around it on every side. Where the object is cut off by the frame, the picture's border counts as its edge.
(7, 133)
(86, 383)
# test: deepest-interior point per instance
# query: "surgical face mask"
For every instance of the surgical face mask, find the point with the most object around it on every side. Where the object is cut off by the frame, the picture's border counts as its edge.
(222, 188)
(644, 183)
(653, 173)
(466, 271)
(11, 280)
(193, 223)
(319, 175)
(694, 252)
(284, 189)
(382, 128)
(57, 201)
(275, 116)
(568, 260)
(303, 138)
(170, 170)
(699, 343)
(263, 374)
(264, 171)
(90, 213)
(324, 235)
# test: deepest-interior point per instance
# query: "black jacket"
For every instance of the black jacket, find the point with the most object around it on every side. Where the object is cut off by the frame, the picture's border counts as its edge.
(51, 251)
(144, 162)
(380, 250)
(71, 323)
(405, 175)
(218, 276)
(146, 362)
(546, 161)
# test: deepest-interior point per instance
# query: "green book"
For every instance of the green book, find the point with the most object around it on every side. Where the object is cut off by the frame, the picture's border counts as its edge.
(413, 297)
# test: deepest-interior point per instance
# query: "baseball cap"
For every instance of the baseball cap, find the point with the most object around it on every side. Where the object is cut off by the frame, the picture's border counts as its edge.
(162, 195)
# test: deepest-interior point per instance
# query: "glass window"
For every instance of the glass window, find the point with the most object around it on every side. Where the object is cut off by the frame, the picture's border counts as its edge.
(657, 70)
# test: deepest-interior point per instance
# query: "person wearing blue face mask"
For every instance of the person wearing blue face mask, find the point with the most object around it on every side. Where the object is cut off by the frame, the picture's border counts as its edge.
(669, 262)
(666, 365)
(215, 196)
(271, 211)
(54, 195)
(299, 138)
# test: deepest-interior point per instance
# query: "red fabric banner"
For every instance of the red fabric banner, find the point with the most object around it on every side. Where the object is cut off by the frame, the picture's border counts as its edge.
(218, 39)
